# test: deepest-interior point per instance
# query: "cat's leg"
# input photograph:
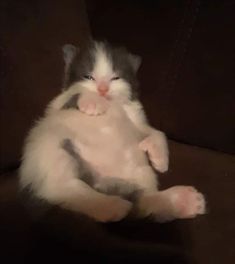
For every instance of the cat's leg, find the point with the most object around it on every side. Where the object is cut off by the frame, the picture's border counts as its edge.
(53, 175)
(76, 195)
(175, 202)
(155, 144)
(63, 187)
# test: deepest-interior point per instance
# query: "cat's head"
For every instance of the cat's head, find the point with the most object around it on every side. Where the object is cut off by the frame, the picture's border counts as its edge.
(109, 71)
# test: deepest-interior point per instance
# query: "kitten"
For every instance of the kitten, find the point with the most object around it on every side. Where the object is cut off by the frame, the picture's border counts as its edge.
(93, 152)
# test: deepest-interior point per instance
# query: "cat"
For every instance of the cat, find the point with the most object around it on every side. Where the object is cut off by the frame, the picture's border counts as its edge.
(94, 152)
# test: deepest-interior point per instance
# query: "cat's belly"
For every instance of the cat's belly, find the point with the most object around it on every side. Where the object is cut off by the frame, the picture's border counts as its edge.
(110, 143)
(120, 163)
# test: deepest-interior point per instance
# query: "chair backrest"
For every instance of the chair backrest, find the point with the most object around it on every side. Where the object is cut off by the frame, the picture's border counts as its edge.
(32, 36)
(188, 72)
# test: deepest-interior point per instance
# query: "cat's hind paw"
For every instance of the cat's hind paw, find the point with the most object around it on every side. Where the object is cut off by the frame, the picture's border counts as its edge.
(187, 201)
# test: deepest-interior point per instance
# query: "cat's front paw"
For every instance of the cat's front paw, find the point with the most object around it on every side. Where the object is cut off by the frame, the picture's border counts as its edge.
(157, 152)
(93, 104)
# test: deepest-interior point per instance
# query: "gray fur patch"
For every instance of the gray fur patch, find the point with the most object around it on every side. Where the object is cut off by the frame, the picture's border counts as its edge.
(119, 187)
(82, 64)
(125, 64)
(132, 196)
(85, 173)
(72, 102)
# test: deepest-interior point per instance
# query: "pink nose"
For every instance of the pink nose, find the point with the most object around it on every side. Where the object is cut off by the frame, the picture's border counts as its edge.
(103, 89)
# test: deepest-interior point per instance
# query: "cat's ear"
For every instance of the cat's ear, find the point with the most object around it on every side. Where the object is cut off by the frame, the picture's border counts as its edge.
(135, 61)
(69, 53)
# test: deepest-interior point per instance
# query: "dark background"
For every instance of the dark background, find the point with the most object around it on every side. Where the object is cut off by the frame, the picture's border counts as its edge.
(187, 76)
(187, 87)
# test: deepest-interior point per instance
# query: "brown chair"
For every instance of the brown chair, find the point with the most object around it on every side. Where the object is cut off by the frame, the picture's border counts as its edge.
(187, 87)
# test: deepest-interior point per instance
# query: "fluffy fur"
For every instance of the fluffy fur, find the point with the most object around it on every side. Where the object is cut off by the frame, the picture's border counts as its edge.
(98, 124)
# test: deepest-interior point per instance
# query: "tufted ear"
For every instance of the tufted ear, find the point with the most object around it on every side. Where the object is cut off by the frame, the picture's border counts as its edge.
(69, 53)
(135, 61)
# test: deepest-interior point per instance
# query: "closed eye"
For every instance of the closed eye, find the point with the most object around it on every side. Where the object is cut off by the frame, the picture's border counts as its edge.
(115, 78)
(89, 77)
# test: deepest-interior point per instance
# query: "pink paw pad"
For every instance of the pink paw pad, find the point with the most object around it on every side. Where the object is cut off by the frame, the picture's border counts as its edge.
(93, 105)
(87, 108)
(187, 201)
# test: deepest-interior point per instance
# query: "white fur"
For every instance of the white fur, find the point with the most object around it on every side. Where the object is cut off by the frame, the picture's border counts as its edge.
(113, 141)
(106, 130)
(103, 64)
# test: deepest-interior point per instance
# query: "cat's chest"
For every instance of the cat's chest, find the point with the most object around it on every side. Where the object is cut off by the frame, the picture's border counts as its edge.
(108, 142)
(114, 127)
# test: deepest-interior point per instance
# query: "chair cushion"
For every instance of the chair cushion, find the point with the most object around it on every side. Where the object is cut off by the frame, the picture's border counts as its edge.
(209, 238)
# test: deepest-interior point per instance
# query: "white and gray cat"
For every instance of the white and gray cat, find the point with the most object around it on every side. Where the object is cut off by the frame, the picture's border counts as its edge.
(93, 152)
